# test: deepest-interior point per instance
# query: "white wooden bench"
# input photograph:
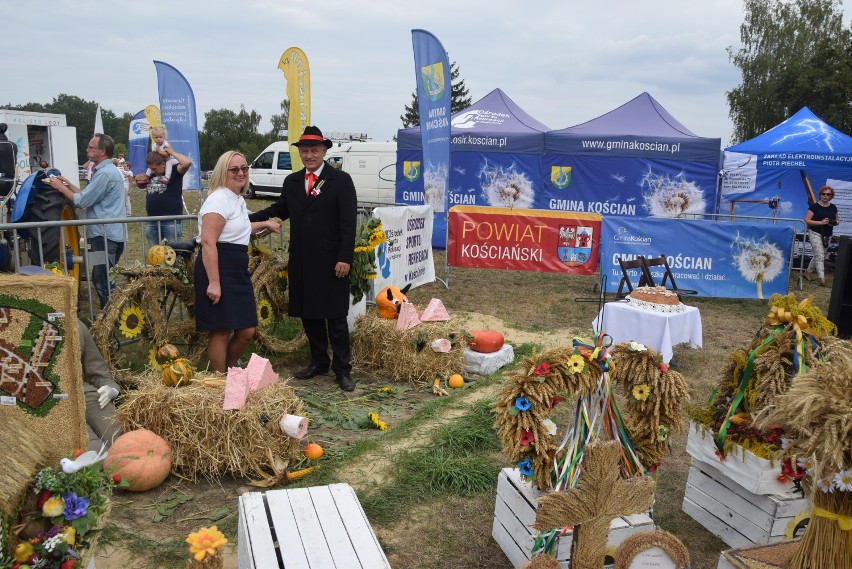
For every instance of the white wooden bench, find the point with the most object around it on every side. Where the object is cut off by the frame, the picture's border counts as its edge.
(320, 527)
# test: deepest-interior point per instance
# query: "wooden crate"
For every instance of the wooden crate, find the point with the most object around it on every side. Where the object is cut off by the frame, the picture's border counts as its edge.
(774, 556)
(514, 512)
(321, 527)
(755, 474)
(732, 513)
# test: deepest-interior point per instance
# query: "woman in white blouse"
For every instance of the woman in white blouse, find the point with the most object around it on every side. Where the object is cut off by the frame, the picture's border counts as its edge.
(224, 298)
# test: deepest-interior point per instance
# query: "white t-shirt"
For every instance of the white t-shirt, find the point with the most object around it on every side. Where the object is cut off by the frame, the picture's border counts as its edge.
(232, 207)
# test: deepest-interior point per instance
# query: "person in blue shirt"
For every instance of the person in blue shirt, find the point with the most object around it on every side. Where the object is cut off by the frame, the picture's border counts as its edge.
(103, 198)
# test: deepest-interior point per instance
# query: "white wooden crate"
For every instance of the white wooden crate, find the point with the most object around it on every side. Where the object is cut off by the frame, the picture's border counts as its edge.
(514, 512)
(732, 513)
(321, 527)
(755, 474)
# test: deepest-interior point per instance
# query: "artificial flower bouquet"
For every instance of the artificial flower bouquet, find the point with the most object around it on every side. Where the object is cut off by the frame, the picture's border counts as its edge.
(370, 235)
(59, 520)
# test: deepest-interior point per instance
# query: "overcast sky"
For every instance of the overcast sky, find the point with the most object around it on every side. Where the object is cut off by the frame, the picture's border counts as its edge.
(563, 62)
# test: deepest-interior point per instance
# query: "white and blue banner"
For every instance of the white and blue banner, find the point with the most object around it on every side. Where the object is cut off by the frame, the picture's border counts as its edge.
(138, 143)
(178, 112)
(432, 73)
(718, 259)
(406, 256)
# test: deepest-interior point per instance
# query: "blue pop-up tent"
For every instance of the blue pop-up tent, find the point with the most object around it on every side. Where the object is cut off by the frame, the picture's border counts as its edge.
(778, 172)
(495, 154)
(634, 160)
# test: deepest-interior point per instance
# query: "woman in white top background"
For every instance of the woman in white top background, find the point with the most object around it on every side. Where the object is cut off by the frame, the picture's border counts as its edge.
(224, 298)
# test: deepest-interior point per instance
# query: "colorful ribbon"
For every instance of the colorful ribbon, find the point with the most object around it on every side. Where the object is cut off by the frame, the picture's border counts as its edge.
(598, 352)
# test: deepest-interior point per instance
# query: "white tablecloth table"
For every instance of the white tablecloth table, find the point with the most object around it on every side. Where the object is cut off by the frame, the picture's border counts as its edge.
(657, 330)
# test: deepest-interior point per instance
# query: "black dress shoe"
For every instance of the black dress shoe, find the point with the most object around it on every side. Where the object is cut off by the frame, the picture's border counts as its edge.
(310, 371)
(345, 382)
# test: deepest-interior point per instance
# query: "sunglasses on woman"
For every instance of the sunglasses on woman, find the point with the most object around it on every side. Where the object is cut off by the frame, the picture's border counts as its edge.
(237, 169)
(826, 194)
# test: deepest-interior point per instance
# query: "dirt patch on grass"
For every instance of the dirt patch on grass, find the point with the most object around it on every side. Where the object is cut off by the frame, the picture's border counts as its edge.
(370, 470)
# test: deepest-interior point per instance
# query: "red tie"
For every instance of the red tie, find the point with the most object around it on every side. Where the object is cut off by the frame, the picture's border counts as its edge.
(311, 178)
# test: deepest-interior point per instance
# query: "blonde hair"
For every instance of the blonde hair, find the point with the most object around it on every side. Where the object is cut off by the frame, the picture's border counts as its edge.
(159, 128)
(220, 171)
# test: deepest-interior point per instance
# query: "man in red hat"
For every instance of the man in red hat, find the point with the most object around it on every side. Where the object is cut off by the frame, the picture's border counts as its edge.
(320, 203)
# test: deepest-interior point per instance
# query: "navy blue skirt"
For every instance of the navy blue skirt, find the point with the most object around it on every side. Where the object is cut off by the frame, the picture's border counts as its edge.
(236, 308)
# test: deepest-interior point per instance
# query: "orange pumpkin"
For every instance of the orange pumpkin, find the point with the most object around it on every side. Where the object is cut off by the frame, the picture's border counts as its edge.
(486, 341)
(177, 372)
(312, 451)
(160, 254)
(455, 381)
(389, 301)
(140, 457)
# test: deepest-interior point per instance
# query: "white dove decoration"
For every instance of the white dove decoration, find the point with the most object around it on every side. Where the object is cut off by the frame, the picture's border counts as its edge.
(88, 458)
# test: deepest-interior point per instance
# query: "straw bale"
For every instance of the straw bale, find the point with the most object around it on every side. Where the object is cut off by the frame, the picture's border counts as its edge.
(405, 355)
(40, 348)
(205, 439)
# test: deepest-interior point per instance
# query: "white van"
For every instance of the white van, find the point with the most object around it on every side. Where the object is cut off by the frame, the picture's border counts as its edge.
(372, 166)
(267, 171)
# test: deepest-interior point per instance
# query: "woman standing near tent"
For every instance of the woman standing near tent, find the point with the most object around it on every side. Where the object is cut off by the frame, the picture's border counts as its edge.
(821, 218)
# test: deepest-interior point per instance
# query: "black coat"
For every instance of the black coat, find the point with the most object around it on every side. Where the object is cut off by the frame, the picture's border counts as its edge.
(322, 233)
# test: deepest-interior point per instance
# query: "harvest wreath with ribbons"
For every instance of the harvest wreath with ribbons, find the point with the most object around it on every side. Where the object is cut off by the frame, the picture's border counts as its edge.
(796, 335)
(585, 375)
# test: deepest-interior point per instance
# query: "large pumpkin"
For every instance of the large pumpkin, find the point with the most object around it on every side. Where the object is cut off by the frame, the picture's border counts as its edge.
(389, 301)
(177, 372)
(140, 457)
(486, 341)
(159, 254)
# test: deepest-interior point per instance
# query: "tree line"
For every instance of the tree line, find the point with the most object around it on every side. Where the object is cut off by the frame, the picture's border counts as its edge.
(224, 129)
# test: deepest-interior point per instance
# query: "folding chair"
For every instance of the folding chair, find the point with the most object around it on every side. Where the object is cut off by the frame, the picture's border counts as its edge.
(645, 278)
(661, 261)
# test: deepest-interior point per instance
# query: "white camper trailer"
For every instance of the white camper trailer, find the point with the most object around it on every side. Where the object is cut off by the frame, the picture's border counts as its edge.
(372, 166)
(41, 136)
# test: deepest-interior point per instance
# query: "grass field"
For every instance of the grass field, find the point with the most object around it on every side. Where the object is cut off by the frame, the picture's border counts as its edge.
(428, 482)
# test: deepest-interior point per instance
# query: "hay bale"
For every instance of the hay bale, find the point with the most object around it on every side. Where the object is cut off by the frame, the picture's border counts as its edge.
(42, 373)
(25, 454)
(406, 355)
(207, 440)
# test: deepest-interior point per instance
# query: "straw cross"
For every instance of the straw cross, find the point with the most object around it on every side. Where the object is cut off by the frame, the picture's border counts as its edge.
(600, 497)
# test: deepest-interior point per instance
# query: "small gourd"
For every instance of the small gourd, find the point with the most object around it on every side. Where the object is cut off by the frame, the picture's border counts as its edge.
(178, 372)
(161, 254)
(166, 353)
(389, 301)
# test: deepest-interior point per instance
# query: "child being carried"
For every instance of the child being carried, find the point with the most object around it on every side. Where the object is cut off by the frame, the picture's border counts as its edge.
(160, 145)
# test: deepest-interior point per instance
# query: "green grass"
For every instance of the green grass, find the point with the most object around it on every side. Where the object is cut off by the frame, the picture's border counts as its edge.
(461, 460)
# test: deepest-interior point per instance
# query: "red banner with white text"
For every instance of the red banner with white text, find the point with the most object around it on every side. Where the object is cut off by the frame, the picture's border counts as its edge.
(523, 239)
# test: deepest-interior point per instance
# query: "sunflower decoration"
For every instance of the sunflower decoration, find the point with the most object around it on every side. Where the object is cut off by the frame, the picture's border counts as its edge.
(154, 359)
(376, 422)
(641, 392)
(370, 235)
(576, 364)
(131, 321)
(264, 312)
